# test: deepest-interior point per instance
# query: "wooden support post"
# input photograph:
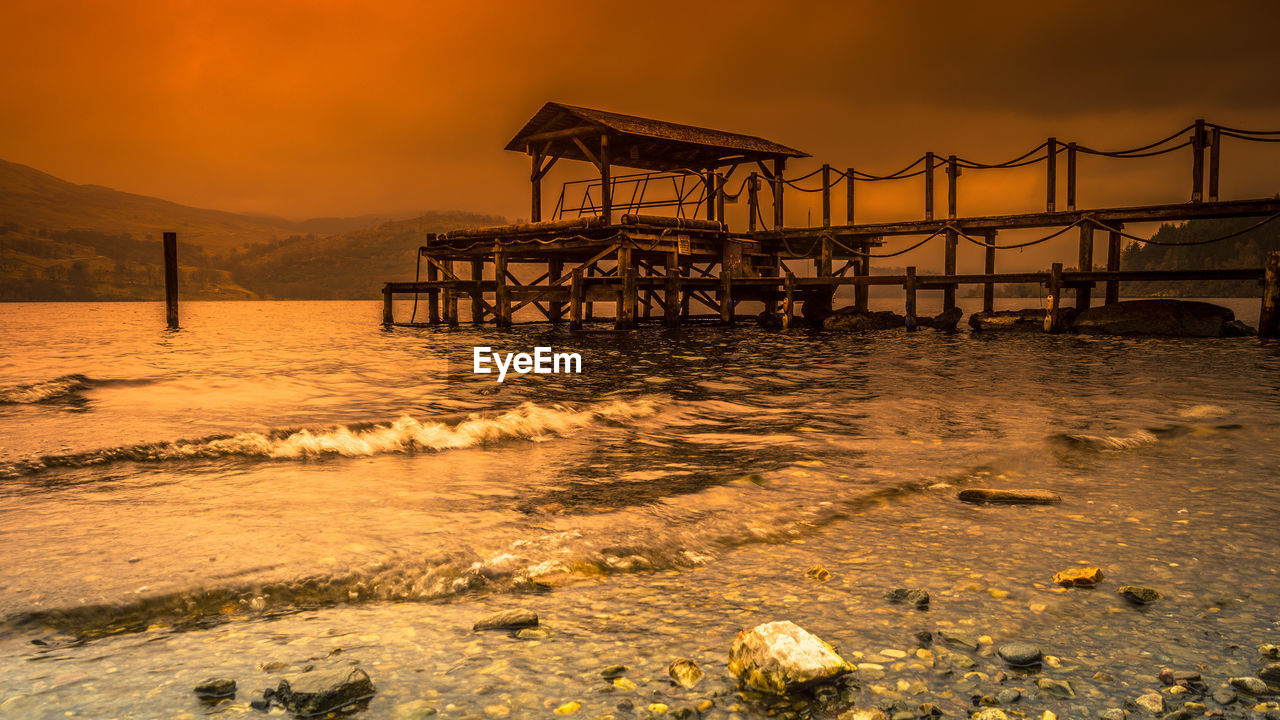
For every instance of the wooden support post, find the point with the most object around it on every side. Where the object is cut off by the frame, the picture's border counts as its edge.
(779, 166)
(671, 291)
(1071, 176)
(949, 268)
(555, 271)
(501, 299)
(590, 306)
(625, 316)
(826, 195)
(824, 257)
(171, 280)
(433, 295)
(1084, 294)
(1215, 158)
(928, 186)
(725, 296)
(535, 177)
(388, 311)
(910, 287)
(953, 171)
(575, 300)
(709, 179)
(450, 298)
(989, 267)
(606, 182)
(1051, 321)
(789, 304)
(1113, 263)
(849, 193)
(1197, 162)
(753, 200)
(477, 295)
(862, 293)
(1051, 198)
(720, 199)
(1269, 318)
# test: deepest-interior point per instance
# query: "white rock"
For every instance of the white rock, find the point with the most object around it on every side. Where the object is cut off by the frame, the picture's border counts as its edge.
(778, 656)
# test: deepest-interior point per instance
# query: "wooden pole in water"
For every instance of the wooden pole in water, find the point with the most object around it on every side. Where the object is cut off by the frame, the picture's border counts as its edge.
(433, 295)
(590, 306)
(789, 304)
(989, 267)
(1084, 293)
(477, 294)
(555, 271)
(726, 288)
(575, 300)
(501, 298)
(1113, 263)
(910, 287)
(388, 313)
(949, 268)
(171, 279)
(1055, 298)
(450, 298)
(1269, 319)
(671, 291)
(626, 305)
(1051, 197)
(862, 267)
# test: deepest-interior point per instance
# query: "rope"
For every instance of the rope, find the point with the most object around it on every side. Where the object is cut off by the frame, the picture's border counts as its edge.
(907, 250)
(1230, 133)
(1131, 153)
(1226, 129)
(1015, 246)
(859, 175)
(1016, 162)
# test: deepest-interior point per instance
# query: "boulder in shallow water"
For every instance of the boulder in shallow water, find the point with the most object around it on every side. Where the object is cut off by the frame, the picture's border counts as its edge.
(1078, 577)
(1139, 595)
(1236, 328)
(1270, 673)
(779, 656)
(1251, 685)
(945, 320)
(1029, 320)
(909, 596)
(324, 691)
(1020, 654)
(685, 671)
(216, 689)
(850, 320)
(1008, 497)
(1177, 318)
(507, 620)
(1151, 702)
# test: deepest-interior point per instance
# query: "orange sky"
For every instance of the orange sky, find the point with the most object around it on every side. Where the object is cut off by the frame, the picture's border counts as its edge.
(338, 108)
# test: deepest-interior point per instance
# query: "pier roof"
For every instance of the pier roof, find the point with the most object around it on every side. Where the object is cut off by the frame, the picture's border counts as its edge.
(640, 142)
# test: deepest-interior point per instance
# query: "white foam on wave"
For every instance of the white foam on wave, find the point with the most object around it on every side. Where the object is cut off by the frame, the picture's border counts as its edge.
(1203, 412)
(1136, 439)
(44, 390)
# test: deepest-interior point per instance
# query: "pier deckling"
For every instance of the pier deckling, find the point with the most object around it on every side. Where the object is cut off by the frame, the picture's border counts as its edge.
(610, 248)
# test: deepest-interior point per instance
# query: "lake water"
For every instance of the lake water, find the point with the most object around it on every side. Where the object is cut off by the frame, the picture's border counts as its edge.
(287, 484)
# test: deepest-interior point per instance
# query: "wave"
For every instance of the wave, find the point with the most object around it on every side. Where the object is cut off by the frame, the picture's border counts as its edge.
(1135, 439)
(404, 435)
(1203, 412)
(44, 391)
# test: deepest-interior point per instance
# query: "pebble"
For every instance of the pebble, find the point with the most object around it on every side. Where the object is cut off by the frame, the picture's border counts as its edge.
(497, 711)
(1008, 696)
(657, 709)
(989, 714)
(1251, 685)
(819, 573)
(958, 639)
(1078, 577)
(864, 714)
(1270, 673)
(1113, 714)
(568, 708)
(507, 620)
(1020, 654)
(1139, 595)
(1151, 702)
(1056, 688)
(686, 672)
(1224, 696)
(909, 596)
(216, 688)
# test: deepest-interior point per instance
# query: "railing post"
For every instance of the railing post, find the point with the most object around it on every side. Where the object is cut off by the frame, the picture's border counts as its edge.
(953, 172)
(1197, 162)
(1071, 176)
(1084, 293)
(606, 182)
(535, 177)
(1215, 156)
(1269, 319)
(1051, 199)
(849, 192)
(928, 186)
(1113, 263)
(989, 267)
(910, 287)
(826, 195)
(171, 279)
(779, 167)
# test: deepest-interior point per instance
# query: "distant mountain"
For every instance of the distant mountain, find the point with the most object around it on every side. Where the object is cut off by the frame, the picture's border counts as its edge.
(62, 241)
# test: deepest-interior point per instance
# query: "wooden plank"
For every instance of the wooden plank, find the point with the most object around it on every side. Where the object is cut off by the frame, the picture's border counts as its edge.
(171, 280)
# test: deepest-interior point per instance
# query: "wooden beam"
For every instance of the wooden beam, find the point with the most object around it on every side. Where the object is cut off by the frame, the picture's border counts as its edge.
(949, 268)
(595, 160)
(565, 133)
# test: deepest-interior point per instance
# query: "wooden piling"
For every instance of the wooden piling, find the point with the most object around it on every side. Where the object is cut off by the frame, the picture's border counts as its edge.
(671, 292)
(575, 299)
(606, 182)
(590, 306)
(725, 296)
(171, 279)
(1113, 263)
(625, 315)
(720, 198)
(1084, 293)
(989, 267)
(555, 271)
(450, 298)
(1051, 172)
(1269, 318)
(949, 268)
(388, 312)
(789, 302)
(501, 298)
(433, 295)
(861, 293)
(477, 294)
(1197, 162)
(928, 186)
(824, 257)
(910, 287)
(1051, 317)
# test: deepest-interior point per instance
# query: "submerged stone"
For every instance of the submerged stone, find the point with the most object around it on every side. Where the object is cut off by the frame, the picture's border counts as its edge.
(1251, 685)
(216, 688)
(614, 671)
(1151, 702)
(323, 691)
(1029, 320)
(909, 596)
(1008, 497)
(1139, 595)
(819, 573)
(851, 320)
(685, 671)
(1178, 318)
(507, 620)
(945, 320)
(1020, 654)
(951, 637)
(989, 714)
(1270, 673)
(1056, 688)
(1078, 577)
(779, 656)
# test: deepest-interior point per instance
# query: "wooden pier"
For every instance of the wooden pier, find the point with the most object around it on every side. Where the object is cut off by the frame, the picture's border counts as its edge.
(615, 247)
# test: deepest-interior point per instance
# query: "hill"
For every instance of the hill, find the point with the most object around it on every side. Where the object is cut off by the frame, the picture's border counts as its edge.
(62, 241)
(1243, 251)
